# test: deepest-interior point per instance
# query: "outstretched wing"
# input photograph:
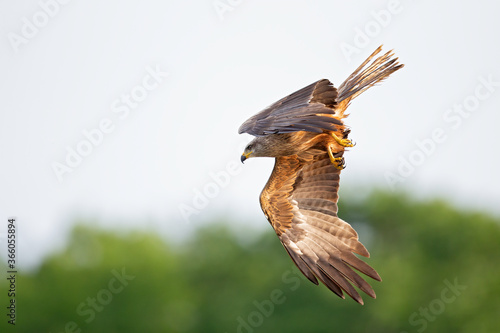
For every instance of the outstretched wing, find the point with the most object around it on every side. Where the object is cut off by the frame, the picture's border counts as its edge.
(300, 202)
(307, 109)
(319, 106)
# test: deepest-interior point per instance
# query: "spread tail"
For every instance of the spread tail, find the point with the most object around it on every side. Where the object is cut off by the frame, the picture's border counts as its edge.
(365, 77)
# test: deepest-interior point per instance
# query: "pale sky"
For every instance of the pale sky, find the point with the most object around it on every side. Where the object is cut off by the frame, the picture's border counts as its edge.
(150, 94)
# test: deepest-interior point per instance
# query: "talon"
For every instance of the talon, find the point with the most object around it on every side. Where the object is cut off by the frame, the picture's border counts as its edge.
(338, 162)
(343, 142)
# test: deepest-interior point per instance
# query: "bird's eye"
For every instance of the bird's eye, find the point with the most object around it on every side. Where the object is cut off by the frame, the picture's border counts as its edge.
(249, 147)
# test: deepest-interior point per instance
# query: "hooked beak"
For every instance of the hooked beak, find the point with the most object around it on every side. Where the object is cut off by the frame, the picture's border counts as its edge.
(245, 156)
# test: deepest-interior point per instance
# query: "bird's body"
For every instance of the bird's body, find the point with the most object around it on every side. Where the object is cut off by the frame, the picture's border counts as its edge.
(306, 134)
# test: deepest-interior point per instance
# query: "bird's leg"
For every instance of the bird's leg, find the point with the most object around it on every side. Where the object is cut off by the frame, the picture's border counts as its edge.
(342, 142)
(338, 162)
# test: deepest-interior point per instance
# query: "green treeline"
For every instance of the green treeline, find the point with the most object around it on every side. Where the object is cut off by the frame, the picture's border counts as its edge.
(440, 270)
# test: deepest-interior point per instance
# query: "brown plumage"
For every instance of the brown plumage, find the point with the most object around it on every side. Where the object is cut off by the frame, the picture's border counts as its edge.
(306, 134)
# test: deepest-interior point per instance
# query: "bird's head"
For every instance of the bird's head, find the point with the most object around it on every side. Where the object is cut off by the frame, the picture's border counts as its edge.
(273, 145)
(256, 148)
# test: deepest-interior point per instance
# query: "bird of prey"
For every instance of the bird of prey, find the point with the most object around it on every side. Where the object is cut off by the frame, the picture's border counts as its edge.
(306, 134)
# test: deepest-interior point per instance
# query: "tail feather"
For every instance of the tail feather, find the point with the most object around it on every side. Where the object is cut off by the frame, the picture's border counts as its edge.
(363, 78)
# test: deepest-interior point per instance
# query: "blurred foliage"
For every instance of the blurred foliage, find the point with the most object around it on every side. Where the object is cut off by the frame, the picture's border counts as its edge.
(439, 268)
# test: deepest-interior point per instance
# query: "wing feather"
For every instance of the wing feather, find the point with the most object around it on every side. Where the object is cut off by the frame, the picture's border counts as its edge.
(301, 265)
(300, 202)
(331, 246)
(304, 110)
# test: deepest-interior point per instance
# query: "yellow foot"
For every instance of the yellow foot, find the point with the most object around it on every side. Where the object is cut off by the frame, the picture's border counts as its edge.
(338, 162)
(343, 142)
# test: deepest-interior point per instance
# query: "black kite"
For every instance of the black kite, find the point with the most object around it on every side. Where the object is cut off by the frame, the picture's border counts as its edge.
(306, 134)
